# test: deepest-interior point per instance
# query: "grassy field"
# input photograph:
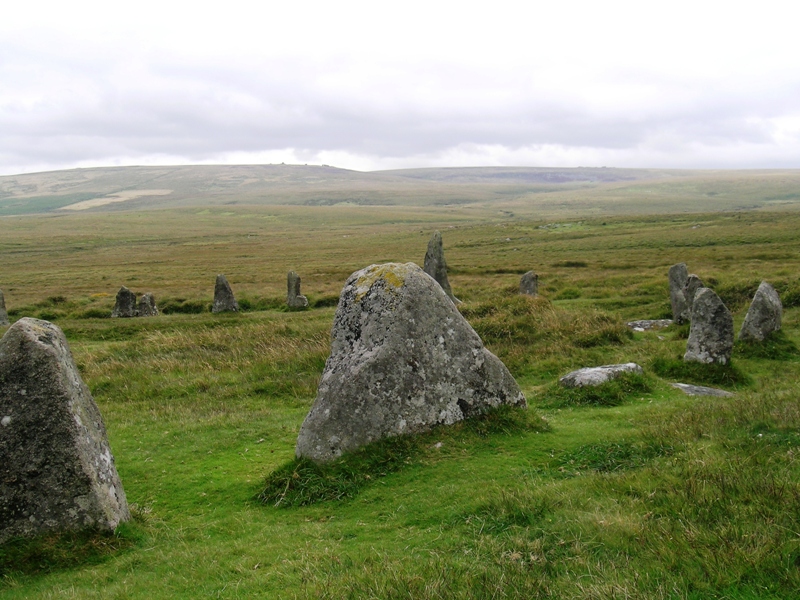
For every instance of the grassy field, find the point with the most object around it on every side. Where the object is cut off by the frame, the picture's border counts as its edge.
(637, 491)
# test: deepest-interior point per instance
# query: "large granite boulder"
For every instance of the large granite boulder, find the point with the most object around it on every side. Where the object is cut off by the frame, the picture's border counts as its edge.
(147, 306)
(764, 315)
(3, 313)
(594, 376)
(224, 300)
(678, 278)
(436, 266)
(403, 360)
(125, 305)
(529, 284)
(293, 297)
(56, 468)
(711, 334)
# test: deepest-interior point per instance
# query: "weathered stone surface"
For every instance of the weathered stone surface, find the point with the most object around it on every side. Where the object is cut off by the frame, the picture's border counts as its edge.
(529, 284)
(678, 277)
(223, 297)
(711, 335)
(700, 390)
(591, 376)
(147, 306)
(3, 313)
(56, 468)
(403, 360)
(693, 283)
(764, 315)
(647, 324)
(125, 305)
(293, 297)
(436, 266)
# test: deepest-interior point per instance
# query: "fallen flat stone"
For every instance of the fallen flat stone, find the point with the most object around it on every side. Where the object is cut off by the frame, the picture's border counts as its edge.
(147, 306)
(678, 278)
(3, 313)
(224, 300)
(647, 324)
(293, 297)
(56, 468)
(699, 390)
(764, 315)
(711, 334)
(403, 360)
(592, 376)
(529, 284)
(436, 266)
(125, 305)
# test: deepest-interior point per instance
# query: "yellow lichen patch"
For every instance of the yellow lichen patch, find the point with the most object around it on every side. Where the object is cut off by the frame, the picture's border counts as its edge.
(393, 274)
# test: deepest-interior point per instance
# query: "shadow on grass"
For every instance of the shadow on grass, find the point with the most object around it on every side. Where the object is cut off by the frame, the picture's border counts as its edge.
(776, 347)
(611, 393)
(701, 373)
(301, 482)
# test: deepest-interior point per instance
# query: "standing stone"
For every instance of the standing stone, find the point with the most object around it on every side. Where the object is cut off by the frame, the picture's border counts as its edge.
(293, 298)
(402, 360)
(693, 283)
(3, 313)
(436, 266)
(223, 297)
(678, 278)
(711, 334)
(529, 284)
(56, 468)
(764, 315)
(125, 306)
(147, 306)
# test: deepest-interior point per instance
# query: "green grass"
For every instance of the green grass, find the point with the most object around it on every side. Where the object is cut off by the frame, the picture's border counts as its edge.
(611, 393)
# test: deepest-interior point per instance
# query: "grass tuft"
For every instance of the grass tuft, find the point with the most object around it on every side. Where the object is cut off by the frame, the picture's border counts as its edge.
(611, 393)
(701, 373)
(776, 347)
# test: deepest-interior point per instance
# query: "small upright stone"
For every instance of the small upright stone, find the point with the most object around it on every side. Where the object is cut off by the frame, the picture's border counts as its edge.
(293, 298)
(223, 297)
(529, 284)
(3, 313)
(711, 335)
(764, 315)
(56, 468)
(693, 283)
(678, 278)
(436, 266)
(125, 306)
(147, 306)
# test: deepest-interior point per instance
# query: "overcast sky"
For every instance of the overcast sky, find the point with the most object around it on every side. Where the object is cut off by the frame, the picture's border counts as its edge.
(378, 85)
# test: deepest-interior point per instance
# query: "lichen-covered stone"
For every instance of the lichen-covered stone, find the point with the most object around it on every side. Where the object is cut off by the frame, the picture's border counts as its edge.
(293, 297)
(224, 300)
(678, 278)
(147, 306)
(56, 468)
(764, 315)
(436, 266)
(402, 360)
(711, 334)
(648, 324)
(529, 284)
(700, 390)
(593, 376)
(3, 313)
(125, 305)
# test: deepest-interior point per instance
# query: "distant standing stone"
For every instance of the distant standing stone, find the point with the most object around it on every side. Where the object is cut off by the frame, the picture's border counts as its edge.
(678, 278)
(223, 297)
(125, 306)
(764, 315)
(693, 283)
(593, 376)
(56, 468)
(711, 335)
(403, 360)
(147, 306)
(529, 284)
(3, 313)
(293, 298)
(436, 266)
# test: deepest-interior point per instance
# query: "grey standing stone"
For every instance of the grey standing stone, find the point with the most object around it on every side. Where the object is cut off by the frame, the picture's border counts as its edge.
(764, 315)
(293, 297)
(147, 306)
(711, 335)
(223, 297)
(56, 468)
(402, 360)
(3, 313)
(693, 283)
(125, 305)
(593, 376)
(678, 278)
(529, 284)
(436, 266)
